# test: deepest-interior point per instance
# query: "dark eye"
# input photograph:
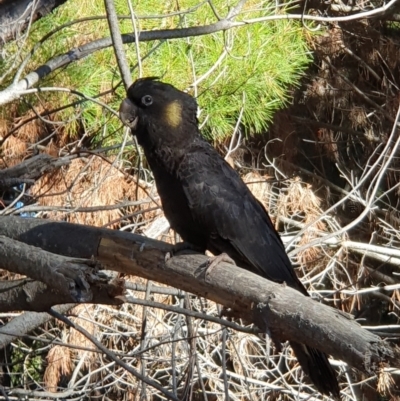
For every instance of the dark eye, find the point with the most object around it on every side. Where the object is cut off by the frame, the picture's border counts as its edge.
(147, 100)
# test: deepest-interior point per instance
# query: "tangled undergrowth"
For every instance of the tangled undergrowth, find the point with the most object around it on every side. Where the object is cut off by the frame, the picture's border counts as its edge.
(196, 358)
(327, 170)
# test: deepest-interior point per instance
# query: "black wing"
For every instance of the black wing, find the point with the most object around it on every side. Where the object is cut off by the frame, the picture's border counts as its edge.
(238, 224)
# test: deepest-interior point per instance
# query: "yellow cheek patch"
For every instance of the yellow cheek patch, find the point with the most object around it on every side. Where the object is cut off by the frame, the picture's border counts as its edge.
(173, 114)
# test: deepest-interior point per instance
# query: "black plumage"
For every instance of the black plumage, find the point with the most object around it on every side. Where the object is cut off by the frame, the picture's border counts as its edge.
(206, 201)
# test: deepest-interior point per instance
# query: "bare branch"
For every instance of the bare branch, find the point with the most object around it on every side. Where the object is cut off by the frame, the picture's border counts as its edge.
(386, 156)
(271, 306)
(31, 169)
(16, 90)
(69, 277)
(117, 43)
(29, 295)
(113, 357)
(26, 322)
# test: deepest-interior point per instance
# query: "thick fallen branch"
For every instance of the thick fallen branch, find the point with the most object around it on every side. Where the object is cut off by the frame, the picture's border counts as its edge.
(31, 169)
(67, 276)
(286, 312)
(30, 295)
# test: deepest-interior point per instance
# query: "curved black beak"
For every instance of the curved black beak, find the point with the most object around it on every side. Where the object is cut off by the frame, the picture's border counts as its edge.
(128, 114)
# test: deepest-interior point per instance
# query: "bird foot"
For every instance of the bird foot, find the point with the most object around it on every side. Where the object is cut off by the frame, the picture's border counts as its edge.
(214, 261)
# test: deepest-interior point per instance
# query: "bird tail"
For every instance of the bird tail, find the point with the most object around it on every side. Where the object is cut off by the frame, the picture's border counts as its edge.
(316, 365)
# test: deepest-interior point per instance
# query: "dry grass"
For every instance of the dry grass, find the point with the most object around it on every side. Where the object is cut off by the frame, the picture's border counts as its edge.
(86, 318)
(31, 131)
(253, 369)
(386, 385)
(15, 147)
(259, 186)
(13, 151)
(194, 355)
(89, 183)
(189, 356)
(59, 364)
(4, 127)
(299, 203)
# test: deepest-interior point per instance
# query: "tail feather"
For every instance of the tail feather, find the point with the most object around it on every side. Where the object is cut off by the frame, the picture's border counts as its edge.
(316, 365)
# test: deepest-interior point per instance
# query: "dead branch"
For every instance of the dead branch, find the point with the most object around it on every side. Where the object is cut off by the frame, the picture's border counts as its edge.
(269, 305)
(69, 279)
(31, 295)
(30, 169)
(26, 322)
(142, 377)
